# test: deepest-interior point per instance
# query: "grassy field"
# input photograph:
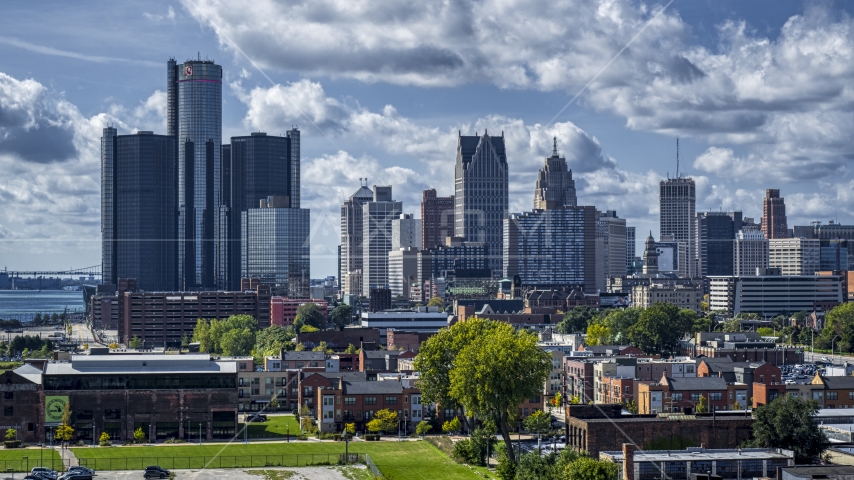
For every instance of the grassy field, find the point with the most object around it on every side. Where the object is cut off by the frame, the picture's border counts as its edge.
(9, 365)
(14, 459)
(397, 460)
(274, 426)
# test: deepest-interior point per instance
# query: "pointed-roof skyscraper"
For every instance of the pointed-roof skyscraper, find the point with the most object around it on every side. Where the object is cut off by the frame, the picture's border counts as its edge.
(555, 186)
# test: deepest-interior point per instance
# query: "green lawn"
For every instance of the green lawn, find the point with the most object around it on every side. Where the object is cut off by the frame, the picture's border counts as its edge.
(14, 459)
(411, 460)
(275, 426)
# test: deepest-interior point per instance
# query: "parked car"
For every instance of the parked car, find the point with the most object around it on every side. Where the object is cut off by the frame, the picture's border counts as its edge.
(38, 476)
(44, 472)
(76, 476)
(156, 472)
(258, 417)
(81, 469)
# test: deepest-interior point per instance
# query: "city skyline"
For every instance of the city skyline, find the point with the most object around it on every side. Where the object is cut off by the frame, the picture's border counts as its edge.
(359, 120)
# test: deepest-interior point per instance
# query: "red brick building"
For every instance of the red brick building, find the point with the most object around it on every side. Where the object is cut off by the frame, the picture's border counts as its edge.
(283, 310)
(358, 401)
(829, 392)
(22, 403)
(683, 395)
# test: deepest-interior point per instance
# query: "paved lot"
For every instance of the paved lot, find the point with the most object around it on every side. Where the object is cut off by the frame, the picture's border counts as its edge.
(303, 473)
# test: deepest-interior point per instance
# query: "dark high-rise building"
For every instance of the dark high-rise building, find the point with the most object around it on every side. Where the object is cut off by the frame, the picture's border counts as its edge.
(437, 219)
(138, 209)
(194, 116)
(254, 167)
(481, 193)
(774, 215)
(715, 242)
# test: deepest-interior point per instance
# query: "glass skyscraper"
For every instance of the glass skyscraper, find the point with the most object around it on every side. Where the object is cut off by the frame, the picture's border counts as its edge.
(254, 167)
(194, 116)
(138, 205)
(275, 247)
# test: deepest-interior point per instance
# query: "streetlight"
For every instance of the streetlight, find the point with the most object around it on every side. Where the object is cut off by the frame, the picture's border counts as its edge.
(832, 359)
(93, 433)
(28, 462)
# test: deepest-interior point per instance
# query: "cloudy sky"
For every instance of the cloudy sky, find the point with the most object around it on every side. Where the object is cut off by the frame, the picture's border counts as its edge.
(760, 94)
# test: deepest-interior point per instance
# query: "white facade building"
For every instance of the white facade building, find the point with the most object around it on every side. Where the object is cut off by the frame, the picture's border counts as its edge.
(771, 295)
(377, 217)
(402, 270)
(421, 319)
(795, 256)
(750, 252)
(405, 232)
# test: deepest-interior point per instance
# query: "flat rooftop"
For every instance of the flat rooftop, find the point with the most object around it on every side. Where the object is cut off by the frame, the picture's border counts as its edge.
(700, 454)
(139, 364)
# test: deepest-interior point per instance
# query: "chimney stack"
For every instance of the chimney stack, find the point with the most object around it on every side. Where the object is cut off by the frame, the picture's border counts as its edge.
(629, 461)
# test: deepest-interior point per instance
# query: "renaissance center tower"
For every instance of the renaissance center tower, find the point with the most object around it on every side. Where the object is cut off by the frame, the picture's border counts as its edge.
(194, 118)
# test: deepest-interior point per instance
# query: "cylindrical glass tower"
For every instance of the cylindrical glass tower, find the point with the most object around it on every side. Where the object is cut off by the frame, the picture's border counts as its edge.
(199, 136)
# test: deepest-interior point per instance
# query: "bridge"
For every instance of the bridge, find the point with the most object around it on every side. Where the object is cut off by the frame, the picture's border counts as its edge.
(85, 271)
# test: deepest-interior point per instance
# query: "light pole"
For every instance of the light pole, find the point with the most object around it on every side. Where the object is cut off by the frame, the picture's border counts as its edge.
(200, 432)
(832, 356)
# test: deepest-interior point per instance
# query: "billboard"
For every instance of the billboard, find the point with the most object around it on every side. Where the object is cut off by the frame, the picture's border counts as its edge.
(53, 407)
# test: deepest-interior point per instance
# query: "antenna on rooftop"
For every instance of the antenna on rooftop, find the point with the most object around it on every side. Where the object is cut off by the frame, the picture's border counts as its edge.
(554, 148)
(677, 157)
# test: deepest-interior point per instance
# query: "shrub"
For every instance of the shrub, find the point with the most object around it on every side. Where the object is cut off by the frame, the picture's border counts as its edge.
(462, 452)
(105, 439)
(12, 444)
(372, 437)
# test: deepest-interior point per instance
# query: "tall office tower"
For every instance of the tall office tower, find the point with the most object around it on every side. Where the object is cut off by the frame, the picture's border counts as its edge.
(774, 215)
(750, 251)
(254, 167)
(795, 256)
(437, 219)
(555, 186)
(377, 218)
(275, 246)
(610, 246)
(630, 250)
(650, 256)
(194, 116)
(433, 265)
(714, 245)
(352, 239)
(481, 193)
(552, 248)
(405, 232)
(677, 200)
(138, 206)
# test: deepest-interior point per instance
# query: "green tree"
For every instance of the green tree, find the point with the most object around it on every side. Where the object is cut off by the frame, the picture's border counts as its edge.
(436, 302)
(660, 327)
(237, 342)
(271, 341)
(598, 334)
(138, 435)
(64, 432)
(787, 423)
(538, 422)
(135, 343)
(702, 405)
(37, 320)
(498, 371)
(350, 428)
(340, 316)
(310, 314)
(351, 349)
(308, 329)
(618, 321)
(300, 347)
(576, 320)
(452, 425)
(11, 433)
(632, 407)
(384, 420)
(767, 332)
(839, 321)
(322, 347)
(104, 441)
(185, 341)
(423, 428)
(586, 468)
(202, 335)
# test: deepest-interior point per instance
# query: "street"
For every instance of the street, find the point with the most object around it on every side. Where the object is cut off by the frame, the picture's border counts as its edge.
(299, 473)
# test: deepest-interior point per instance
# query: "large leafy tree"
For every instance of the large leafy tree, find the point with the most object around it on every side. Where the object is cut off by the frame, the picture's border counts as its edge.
(586, 468)
(839, 321)
(309, 314)
(234, 335)
(576, 320)
(384, 420)
(660, 327)
(340, 315)
(497, 371)
(787, 423)
(271, 341)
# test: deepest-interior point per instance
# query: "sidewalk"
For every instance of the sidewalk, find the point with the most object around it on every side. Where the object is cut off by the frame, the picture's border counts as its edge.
(68, 458)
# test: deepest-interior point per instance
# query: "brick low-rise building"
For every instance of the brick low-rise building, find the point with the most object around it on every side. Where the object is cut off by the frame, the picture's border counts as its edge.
(829, 392)
(683, 395)
(22, 403)
(357, 402)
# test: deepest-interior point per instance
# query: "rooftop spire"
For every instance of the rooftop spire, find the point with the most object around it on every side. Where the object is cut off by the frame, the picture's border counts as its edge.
(554, 148)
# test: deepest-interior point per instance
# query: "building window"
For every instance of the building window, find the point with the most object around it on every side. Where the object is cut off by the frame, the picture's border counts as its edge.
(328, 400)
(349, 400)
(391, 400)
(8, 411)
(370, 400)
(695, 397)
(850, 395)
(832, 395)
(8, 395)
(676, 397)
(761, 378)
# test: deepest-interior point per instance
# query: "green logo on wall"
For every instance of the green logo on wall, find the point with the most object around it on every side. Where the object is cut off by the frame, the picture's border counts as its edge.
(53, 407)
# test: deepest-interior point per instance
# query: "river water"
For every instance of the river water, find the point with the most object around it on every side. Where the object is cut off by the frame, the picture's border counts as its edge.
(24, 304)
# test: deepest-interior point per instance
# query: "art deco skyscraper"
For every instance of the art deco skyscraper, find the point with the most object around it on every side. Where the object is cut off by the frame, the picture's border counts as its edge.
(555, 186)
(138, 205)
(481, 193)
(677, 200)
(194, 117)
(351, 240)
(774, 215)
